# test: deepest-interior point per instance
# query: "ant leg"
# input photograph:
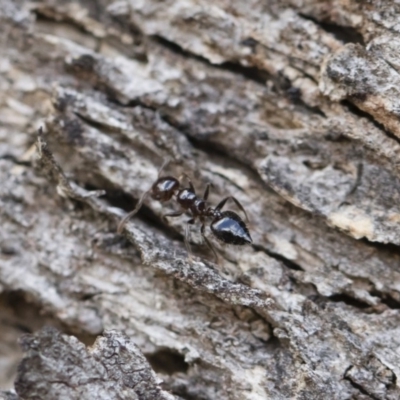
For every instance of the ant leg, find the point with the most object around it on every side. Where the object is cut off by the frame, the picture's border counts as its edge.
(209, 245)
(165, 163)
(187, 234)
(172, 214)
(206, 192)
(183, 175)
(222, 203)
(133, 212)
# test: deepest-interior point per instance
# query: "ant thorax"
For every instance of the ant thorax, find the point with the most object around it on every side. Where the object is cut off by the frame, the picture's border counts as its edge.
(186, 198)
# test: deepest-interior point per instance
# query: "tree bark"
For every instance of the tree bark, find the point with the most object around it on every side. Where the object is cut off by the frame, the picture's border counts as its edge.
(290, 106)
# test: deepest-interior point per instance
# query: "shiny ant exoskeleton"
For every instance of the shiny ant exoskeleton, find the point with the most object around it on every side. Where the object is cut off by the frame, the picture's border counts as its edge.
(226, 226)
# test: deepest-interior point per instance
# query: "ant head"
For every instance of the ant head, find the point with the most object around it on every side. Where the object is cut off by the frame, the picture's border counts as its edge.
(164, 188)
(229, 228)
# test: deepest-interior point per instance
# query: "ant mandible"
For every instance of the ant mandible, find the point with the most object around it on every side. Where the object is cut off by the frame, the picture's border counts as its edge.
(226, 226)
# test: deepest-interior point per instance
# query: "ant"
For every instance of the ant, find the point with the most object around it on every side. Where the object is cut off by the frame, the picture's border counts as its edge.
(226, 226)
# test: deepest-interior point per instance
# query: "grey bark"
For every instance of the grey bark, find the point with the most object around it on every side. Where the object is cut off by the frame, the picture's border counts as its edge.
(290, 106)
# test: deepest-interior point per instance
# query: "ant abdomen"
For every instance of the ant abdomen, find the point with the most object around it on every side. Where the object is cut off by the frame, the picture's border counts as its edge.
(229, 228)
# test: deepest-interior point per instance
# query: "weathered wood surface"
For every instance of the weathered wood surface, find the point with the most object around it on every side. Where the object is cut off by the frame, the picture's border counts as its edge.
(292, 107)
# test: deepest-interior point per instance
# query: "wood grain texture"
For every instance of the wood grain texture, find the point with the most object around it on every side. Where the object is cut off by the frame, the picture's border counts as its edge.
(289, 106)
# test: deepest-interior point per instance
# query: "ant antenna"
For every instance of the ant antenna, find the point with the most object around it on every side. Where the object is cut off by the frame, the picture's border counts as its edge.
(163, 166)
(133, 212)
(141, 200)
(186, 176)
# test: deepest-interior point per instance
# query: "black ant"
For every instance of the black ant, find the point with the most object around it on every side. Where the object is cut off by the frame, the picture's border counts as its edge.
(226, 226)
